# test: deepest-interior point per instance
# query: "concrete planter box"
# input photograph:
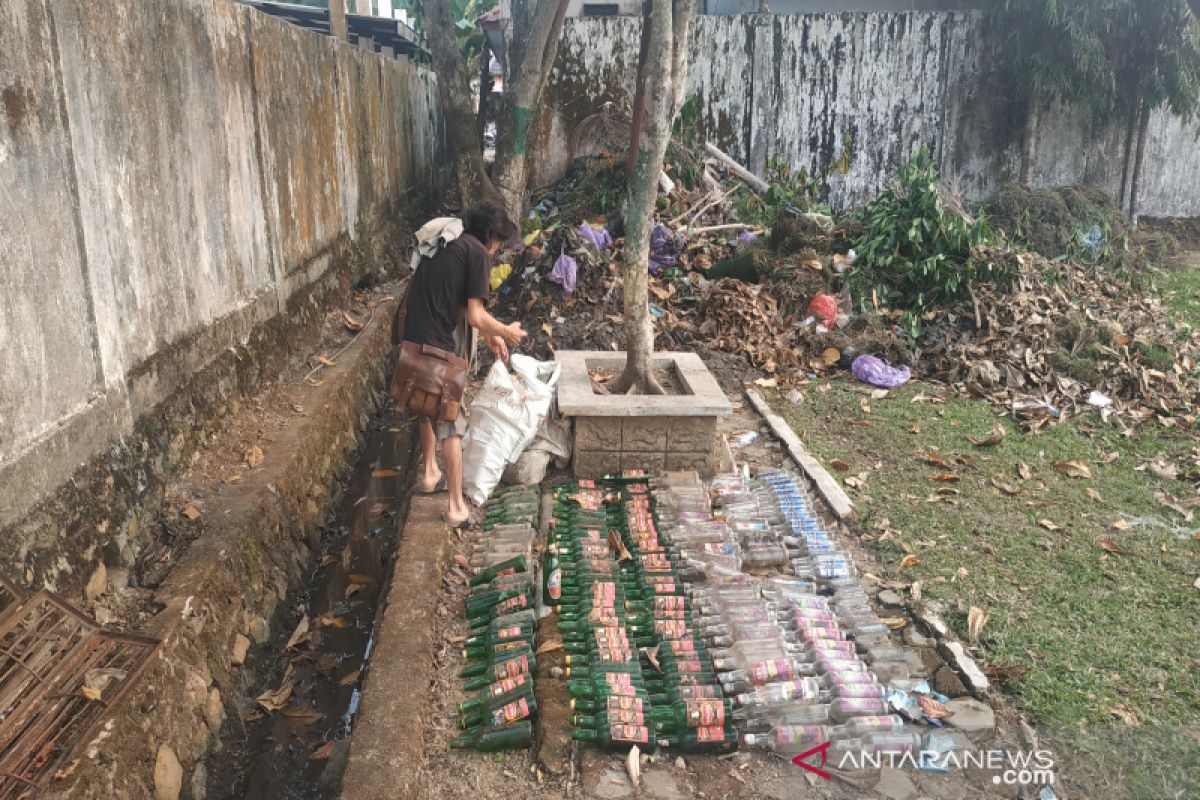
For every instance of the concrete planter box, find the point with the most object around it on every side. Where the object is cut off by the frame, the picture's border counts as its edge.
(654, 433)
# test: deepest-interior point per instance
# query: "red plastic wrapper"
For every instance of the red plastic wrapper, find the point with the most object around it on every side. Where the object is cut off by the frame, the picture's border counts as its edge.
(824, 308)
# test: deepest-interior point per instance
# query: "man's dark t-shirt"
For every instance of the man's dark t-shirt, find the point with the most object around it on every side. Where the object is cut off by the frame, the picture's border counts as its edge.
(440, 290)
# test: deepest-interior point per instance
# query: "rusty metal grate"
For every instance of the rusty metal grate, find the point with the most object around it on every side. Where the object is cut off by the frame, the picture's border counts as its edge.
(49, 653)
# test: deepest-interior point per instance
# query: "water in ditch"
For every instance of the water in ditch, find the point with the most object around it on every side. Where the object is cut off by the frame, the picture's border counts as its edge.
(300, 749)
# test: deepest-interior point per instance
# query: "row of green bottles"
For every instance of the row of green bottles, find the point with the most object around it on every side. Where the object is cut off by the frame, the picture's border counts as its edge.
(490, 740)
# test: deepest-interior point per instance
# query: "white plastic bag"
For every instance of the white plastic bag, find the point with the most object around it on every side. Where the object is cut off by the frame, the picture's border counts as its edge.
(505, 417)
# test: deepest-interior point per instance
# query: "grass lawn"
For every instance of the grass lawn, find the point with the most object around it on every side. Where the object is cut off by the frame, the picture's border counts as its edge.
(1110, 638)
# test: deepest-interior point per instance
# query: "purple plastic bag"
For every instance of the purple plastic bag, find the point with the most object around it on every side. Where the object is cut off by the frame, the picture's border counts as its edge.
(600, 238)
(564, 272)
(870, 369)
(746, 236)
(663, 248)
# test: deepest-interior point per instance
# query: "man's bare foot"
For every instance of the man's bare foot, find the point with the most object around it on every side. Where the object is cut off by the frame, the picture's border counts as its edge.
(432, 484)
(456, 522)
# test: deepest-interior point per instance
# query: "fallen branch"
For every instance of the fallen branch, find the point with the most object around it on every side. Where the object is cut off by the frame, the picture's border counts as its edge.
(733, 226)
(753, 181)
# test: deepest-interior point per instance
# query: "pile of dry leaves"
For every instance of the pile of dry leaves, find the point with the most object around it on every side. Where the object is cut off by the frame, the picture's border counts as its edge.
(1066, 338)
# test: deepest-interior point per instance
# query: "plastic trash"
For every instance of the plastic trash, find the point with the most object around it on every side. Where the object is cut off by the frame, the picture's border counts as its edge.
(1099, 399)
(599, 238)
(745, 237)
(564, 272)
(824, 307)
(664, 248)
(749, 437)
(876, 372)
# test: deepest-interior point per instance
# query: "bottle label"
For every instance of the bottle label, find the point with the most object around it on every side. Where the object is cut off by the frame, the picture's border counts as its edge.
(513, 632)
(859, 704)
(625, 716)
(698, 692)
(685, 665)
(669, 602)
(638, 734)
(512, 667)
(510, 713)
(604, 593)
(714, 733)
(766, 671)
(666, 613)
(681, 646)
(506, 685)
(670, 628)
(802, 735)
(615, 654)
(554, 584)
(625, 703)
(619, 683)
(610, 634)
(666, 587)
(605, 617)
(705, 713)
(516, 603)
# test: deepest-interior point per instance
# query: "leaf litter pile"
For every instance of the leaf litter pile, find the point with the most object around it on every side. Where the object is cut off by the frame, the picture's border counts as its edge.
(1061, 339)
(1064, 339)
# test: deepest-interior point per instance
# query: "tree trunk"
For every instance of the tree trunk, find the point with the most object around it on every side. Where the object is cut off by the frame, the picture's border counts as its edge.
(1029, 145)
(530, 59)
(1130, 130)
(454, 91)
(1136, 183)
(638, 112)
(679, 45)
(661, 79)
(485, 88)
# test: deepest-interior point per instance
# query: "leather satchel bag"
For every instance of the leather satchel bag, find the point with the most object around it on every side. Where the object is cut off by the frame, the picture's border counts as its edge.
(429, 381)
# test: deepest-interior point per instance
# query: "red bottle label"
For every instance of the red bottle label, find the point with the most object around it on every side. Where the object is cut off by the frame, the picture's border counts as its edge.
(638, 734)
(681, 646)
(714, 733)
(510, 713)
(766, 671)
(625, 703)
(512, 667)
(625, 716)
(697, 692)
(705, 713)
(506, 685)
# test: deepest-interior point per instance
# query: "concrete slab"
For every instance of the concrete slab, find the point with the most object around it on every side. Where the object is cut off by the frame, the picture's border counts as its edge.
(388, 746)
(576, 398)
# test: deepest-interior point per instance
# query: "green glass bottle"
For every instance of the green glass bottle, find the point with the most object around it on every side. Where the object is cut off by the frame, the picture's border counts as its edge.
(516, 564)
(494, 635)
(509, 668)
(702, 740)
(617, 738)
(476, 668)
(497, 693)
(519, 708)
(613, 702)
(490, 740)
(699, 713)
(497, 650)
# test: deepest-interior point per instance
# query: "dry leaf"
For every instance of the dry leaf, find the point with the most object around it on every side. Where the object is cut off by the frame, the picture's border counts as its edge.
(548, 329)
(359, 579)
(864, 405)
(352, 324)
(352, 590)
(839, 465)
(879, 394)
(933, 709)
(302, 716)
(908, 561)
(549, 646)
(1120, 525)
(323, 752)
(1076, 469)
(350, 679)
(385, 473)
(976, 619)
(1049, 525)
(191, 512)
(331, 621)
(254, 456)
(937, 459)
(1125, 714)
(273, 700)
(633, 765)
(1006, 673)
(1092, 493)
(1011, 491)
(996, 437)
(90, 693)
(325, 362)
(301, 635)
(862, 423)
(1024, 471)
(944, 477)
(895, 623)
(1110, 457)
(1109, 546)
(767, 383)
(327, 559)
(462, 561)
(829, 356)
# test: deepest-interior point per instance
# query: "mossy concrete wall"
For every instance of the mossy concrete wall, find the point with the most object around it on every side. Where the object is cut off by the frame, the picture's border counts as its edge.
(849, 97)
(182, 186)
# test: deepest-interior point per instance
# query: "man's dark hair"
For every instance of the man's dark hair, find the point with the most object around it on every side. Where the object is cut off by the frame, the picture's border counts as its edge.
(487, 221)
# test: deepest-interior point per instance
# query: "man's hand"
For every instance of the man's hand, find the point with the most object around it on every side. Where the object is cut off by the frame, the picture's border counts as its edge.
(513, 333)
(498, 347)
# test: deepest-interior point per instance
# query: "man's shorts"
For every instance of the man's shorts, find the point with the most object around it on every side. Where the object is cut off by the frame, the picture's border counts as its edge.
(444, 430)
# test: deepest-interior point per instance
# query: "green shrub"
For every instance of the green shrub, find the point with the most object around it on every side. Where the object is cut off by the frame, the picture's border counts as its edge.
(914, 254)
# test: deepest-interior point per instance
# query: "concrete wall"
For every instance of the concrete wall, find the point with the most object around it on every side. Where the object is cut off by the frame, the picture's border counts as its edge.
(173, 175)
(808, 88)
